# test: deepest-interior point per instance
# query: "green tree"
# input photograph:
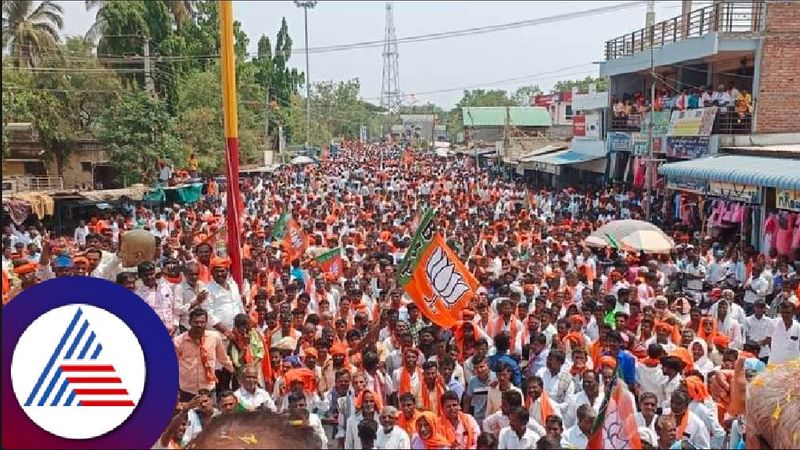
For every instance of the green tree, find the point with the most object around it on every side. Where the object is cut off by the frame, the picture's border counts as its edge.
(583, 85)
(30, 30)
(522, 96)
(137, 131)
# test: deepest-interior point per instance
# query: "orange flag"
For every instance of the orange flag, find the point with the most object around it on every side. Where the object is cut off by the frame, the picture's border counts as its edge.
(434, 278)
(295, 241)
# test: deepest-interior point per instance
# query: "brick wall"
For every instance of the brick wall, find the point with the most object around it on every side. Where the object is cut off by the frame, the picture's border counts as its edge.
(779, 88)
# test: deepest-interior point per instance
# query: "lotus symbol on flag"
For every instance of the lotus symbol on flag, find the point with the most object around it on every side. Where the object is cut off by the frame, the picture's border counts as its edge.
(297, 240)
(446, 281)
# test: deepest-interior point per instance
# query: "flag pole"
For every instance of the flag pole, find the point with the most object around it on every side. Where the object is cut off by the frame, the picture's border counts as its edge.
(231, 118)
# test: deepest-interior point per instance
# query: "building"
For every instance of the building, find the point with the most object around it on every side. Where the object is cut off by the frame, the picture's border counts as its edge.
(418, 126)
(27, 168)
(559, 105)
(738, 155)
(496, 123)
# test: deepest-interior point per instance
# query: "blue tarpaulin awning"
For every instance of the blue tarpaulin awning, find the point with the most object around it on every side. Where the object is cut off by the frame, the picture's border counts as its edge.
(566, 157)
(781, 173)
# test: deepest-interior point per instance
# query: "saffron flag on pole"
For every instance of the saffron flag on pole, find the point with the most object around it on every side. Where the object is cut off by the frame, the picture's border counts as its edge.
(615, 425)
(295, 241)
(331, 262)
(433, 277)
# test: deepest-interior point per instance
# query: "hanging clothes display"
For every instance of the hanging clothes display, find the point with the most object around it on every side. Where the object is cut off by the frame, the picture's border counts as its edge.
(639, 172)
(770, 228)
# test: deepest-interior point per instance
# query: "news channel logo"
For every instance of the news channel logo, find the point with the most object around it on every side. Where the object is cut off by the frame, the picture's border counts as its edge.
(86, 364)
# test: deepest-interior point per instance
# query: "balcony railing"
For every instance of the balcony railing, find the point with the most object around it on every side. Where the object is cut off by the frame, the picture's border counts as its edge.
(732, 122)
(631, 122)
(728, 17)
(32, 183)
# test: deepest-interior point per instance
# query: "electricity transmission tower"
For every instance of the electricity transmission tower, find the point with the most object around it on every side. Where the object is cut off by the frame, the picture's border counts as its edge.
(390, 86)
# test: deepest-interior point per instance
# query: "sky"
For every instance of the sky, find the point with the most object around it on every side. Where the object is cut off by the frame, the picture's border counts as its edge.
(540, 54)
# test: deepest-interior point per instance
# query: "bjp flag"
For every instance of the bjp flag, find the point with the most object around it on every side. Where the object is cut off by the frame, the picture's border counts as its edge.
(615, 425)
(434, 278)
(331, 262)
(295, 241)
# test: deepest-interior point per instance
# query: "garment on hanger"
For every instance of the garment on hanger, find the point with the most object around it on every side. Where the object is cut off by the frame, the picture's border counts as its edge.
(770, 228)
(783, 239)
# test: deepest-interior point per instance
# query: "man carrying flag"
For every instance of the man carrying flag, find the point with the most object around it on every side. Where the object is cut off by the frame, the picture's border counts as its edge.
(295, 241)
(330, 262)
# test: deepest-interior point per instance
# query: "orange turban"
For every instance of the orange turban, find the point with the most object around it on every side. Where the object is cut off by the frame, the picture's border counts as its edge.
(663, 327)
(685, 357)
(311, 351)
(360, 398)
(609, 361)
(25, 268)
(304, 376)
(339, 349)
(697, 389)
(220, 262)
(721, 340)
(577, 318)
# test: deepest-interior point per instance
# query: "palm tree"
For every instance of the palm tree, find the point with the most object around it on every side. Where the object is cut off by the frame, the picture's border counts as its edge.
(182, 11)
(30, 31)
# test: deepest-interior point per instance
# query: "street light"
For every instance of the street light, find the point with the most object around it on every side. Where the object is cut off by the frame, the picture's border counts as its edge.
(306, 5)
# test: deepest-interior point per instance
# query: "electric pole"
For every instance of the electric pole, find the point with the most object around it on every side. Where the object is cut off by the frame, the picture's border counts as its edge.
(306, 5)
(148, 78)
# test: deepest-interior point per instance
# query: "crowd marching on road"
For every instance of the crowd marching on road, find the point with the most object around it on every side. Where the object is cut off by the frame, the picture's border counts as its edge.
(324, 328)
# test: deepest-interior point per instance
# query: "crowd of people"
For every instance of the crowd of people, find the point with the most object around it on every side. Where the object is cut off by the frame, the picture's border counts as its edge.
(553, 325)
(726, 98)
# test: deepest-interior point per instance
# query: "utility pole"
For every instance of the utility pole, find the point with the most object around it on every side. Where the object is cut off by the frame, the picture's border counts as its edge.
(306, 5)
(148, 78)
(649, 163)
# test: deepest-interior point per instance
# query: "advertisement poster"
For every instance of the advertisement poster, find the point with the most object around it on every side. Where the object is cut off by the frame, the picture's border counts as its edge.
(787, 199)
(619, 142)
(692, 122)
(579, 126)
(688, 147)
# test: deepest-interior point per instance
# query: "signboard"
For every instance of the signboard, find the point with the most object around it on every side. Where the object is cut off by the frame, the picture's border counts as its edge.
(692, 122)
(639, 143)
(661, 119)
(619, 142)
(787, 199)
(688, 147)
(545, 99)
(579, 126)
(733, 191)
(687, 185)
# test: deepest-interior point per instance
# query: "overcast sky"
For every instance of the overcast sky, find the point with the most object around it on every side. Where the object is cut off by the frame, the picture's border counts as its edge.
(470, 61)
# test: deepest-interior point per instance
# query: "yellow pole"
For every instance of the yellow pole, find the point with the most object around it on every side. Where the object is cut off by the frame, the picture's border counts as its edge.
(231, 118)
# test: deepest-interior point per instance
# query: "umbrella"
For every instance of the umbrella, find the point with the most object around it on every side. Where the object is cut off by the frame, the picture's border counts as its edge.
(597, 242)
(302, 159)
(634, 235)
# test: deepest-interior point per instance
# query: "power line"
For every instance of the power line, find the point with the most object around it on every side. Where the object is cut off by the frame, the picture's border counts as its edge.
(478, 30)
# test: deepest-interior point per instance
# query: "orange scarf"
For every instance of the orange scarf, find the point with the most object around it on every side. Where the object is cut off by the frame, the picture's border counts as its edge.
(437, 438)
(426, 395)
(682, 426)
(266, 363)
(208, 368)
(242, 343)
(498, 325)
(172, 279)
(449, 431)
(405, 380)
(545, 407)
(595, 352)
(409, 425)
(650, 362)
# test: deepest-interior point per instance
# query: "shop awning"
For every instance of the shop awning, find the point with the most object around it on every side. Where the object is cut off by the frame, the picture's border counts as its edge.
(532, 154)
(566, 157)
(782, 173)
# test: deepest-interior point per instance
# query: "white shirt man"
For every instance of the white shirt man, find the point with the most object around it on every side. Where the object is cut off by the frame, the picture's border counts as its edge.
(397, 438)
(696, 431)
(696, 270)
(509, 439)
(756, 288)
(784, 341)
(253, 400)
(80, 235)
(651, 379)
(185, 295)
(570, 416)
(574, 438)
(757, 329)
(560, 386)
(222, 304)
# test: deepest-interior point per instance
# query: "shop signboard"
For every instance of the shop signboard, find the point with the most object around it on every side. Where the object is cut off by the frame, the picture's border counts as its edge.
(687, 147)
(692, 122)
(687, 185)
(787, 199)
(539, 166)
(661, 120)
(734, 191)
(640, 144)
(619, 142)
(579, 126)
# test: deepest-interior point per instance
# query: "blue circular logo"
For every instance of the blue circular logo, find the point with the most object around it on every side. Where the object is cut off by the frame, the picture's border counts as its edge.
(86, 364)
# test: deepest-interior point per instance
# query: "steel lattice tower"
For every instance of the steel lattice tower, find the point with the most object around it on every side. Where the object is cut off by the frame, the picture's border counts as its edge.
(390, 86)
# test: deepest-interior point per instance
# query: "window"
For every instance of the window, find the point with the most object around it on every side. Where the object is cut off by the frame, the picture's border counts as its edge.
(86, 166)
(568, 113)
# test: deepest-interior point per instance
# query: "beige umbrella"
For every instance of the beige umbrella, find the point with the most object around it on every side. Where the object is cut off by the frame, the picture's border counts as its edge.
(634, 235)
(595, 241)
(650, 241)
